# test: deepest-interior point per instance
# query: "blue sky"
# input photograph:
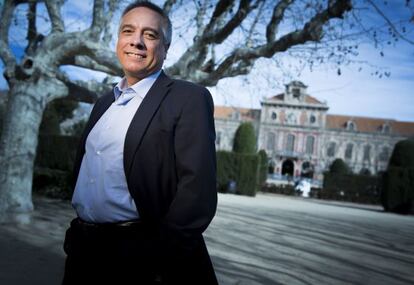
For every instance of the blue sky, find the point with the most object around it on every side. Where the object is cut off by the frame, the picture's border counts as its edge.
(355, 92)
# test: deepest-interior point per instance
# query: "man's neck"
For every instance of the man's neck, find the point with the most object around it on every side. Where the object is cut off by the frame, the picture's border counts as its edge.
(134, 80)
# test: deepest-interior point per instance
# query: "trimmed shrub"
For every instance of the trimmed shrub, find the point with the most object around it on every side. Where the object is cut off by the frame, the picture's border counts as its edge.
(263, 167)
(403, 154)
(239, 168)
(351, 187)
(54, 161)
(339, 166)
(56, 152)
(398, 182)
(52, 183)
(245, 139)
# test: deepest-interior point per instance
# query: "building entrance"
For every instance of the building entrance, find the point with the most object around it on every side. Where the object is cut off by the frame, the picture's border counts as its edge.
(288, 167)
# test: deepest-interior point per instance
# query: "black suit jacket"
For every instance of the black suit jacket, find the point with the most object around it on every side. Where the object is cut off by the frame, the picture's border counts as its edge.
(170, 167)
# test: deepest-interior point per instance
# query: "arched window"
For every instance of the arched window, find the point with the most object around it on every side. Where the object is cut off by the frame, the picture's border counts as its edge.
(218, 138)
(290, 143)
(384, 154)
(365, 171)
(235, 115)
(310, 142)
(385, 128)
(274, 116)
(270, 141)
(296, 92)
(312, 119)
(348, 151)
(367, 152)
(351, 126)
(330, 151)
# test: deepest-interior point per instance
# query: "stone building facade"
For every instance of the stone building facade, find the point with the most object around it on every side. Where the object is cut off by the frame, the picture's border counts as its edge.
(302, 139)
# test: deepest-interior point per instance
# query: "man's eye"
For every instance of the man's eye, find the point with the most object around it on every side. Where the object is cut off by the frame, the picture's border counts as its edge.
(150, 35)
(127, 31)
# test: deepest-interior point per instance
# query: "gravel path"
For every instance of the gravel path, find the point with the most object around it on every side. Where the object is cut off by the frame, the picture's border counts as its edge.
(273, 239)
(268, 239)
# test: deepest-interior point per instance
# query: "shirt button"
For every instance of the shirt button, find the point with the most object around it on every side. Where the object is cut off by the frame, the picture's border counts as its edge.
(98, 152)
(92, 180)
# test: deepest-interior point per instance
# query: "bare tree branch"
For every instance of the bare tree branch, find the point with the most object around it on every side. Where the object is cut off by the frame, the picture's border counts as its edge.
(98, 17)
(219, 35)
(83, 91)
(31, 18)
(277, 17)
(91, 55)
(194, 57)
(249, 42)
(221, 7)
(106, 58)
(33, 37)
(201, 12)
(87, 62)
(5, 52)
(53, 8)
(85, 42)
(113, 5)
(241, 60)
(168, 6)
(390, 24)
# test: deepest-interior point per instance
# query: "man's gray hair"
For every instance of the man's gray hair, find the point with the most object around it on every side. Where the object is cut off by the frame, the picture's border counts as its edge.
(167, 27)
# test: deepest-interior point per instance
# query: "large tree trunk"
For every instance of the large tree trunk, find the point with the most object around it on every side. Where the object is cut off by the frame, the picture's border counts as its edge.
(18, 146)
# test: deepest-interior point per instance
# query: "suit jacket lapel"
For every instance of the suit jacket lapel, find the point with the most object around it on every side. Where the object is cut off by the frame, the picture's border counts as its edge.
(143, 117)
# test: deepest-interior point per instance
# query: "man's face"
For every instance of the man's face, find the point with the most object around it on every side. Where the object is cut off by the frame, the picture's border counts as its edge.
(140, 48)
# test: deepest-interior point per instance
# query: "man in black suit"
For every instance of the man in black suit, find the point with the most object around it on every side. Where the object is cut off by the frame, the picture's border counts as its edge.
(145, 170)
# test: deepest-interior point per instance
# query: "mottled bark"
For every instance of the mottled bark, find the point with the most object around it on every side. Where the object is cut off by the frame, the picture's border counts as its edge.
(18, 142)
(36, 81)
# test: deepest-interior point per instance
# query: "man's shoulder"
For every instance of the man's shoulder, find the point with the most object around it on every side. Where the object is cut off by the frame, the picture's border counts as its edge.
(180, 84)
(187, 93)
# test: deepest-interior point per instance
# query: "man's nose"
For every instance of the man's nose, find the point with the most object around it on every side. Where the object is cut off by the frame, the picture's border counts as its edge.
(137, 41)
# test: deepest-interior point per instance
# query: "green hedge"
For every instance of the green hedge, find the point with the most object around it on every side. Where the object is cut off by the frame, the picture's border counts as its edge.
(351, 187)
(398, 182)
(240, 168)
(339, 166)
(398, 189)
(56, 152)
(54, 161)
(263, 167)
(52, 183)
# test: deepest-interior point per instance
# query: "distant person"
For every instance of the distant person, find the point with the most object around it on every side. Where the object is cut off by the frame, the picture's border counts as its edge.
(145, 170)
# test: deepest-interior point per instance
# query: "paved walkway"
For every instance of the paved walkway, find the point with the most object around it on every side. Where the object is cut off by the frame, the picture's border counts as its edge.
(268, 239)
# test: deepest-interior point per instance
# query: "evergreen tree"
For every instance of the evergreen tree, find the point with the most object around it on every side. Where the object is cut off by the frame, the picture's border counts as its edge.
(263, 167)
(245, 139)
(339, 166)
(398, 181)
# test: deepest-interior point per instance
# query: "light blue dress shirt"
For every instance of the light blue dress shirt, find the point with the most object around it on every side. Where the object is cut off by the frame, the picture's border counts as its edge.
(101, 193)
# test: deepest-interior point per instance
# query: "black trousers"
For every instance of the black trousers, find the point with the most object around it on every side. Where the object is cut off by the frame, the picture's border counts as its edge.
(110, 255)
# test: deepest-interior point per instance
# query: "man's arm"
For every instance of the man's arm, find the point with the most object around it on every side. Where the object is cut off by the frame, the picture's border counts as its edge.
(195, 202)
